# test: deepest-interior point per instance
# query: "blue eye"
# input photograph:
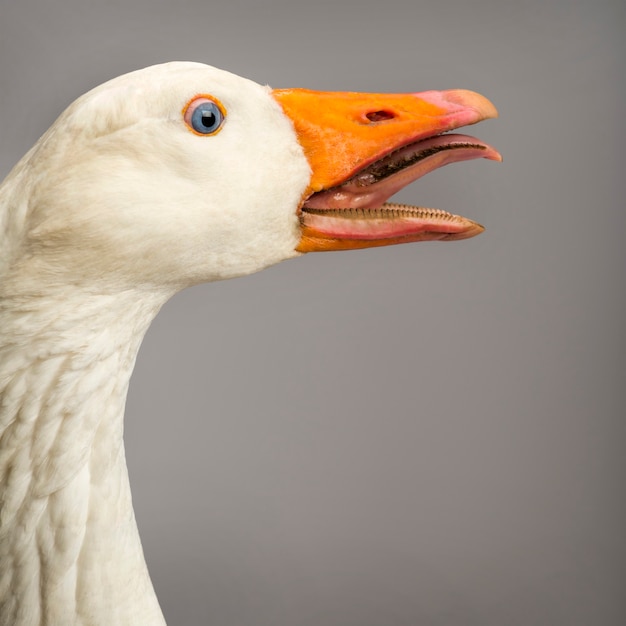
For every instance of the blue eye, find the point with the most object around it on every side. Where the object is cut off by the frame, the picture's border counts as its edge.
(204, 116)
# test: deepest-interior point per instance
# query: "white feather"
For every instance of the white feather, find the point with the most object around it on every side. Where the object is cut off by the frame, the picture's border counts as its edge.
(117, 207)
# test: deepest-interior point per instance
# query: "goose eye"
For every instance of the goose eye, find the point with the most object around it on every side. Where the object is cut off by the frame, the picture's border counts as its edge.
(204, 116)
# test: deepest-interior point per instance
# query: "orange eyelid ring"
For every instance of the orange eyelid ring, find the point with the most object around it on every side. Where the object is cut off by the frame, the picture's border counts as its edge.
(204, 115)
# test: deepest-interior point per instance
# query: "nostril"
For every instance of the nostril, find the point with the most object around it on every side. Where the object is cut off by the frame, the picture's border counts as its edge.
(379, 116)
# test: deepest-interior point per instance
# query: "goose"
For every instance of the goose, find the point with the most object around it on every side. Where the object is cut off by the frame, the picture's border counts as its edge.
(159, 179)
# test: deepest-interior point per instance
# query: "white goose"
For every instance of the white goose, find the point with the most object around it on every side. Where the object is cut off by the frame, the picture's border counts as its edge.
(156, 180)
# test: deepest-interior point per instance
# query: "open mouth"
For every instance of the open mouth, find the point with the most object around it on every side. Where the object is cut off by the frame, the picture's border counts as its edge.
(356, 214)
(364, 147)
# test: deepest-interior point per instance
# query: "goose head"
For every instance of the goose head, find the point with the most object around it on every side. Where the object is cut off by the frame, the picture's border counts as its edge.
(182, 173)
(160, 179)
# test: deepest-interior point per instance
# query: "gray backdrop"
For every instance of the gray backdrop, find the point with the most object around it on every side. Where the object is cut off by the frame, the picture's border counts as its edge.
(429, 434)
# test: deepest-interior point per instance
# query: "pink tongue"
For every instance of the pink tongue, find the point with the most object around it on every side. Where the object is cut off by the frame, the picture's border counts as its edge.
(371, 187)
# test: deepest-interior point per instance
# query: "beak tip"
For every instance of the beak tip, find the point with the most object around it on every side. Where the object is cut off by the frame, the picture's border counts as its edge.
(472, 100)
(476, 229)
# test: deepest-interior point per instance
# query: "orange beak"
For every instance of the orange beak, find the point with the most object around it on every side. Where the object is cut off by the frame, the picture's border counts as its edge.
(363, 148)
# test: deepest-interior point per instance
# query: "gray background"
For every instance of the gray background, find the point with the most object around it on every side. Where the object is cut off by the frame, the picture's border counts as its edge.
(429, 434)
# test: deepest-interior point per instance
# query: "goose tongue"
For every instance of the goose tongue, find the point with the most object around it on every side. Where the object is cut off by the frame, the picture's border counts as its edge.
(373, 185)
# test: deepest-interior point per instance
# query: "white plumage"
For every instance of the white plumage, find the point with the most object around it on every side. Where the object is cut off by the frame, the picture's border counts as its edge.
(116, 208)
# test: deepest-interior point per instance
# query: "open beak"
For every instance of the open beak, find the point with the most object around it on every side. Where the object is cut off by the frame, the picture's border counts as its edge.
(363, 148)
